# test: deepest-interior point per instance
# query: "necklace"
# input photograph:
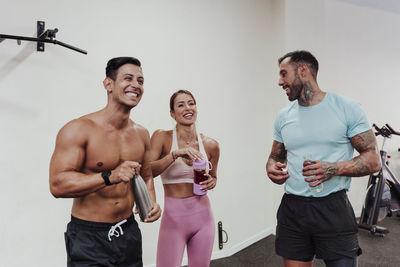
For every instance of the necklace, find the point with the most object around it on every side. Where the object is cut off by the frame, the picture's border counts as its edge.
(190, 136)
(190, 142)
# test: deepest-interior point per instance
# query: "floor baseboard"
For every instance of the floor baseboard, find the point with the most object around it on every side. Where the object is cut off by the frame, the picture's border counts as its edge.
(234, 249)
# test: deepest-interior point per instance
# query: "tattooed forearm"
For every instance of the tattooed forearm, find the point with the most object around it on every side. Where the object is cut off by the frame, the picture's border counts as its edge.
(278, 152)
(361, 166)
(368, 161)
(329, 168)
(364, 164)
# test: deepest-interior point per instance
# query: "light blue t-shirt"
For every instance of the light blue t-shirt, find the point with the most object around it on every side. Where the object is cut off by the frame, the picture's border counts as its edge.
(324, 131)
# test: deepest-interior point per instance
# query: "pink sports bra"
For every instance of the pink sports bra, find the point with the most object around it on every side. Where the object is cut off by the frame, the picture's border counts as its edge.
(179, 171)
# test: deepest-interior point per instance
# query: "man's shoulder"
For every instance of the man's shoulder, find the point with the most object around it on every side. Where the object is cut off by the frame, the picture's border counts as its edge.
(341, 99)
(76, 131)
(286, 110)
(140, 129)
(79, 124)
(344, 105)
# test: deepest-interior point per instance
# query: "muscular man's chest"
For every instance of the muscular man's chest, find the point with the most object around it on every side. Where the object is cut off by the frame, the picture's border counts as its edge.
(321, 127)
(108, 150)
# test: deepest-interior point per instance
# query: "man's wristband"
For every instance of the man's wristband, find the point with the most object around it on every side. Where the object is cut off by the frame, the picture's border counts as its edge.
(106, 177)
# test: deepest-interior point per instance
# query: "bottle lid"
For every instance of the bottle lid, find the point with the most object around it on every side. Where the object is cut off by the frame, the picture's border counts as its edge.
(200, 163)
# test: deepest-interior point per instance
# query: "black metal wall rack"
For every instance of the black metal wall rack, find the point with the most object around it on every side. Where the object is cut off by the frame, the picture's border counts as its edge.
(43, 36)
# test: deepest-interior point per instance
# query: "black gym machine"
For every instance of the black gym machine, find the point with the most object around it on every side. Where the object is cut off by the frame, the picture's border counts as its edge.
(383, 190)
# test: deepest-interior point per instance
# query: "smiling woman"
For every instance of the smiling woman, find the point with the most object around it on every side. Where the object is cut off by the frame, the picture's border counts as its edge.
(188, 219)
(183, 107)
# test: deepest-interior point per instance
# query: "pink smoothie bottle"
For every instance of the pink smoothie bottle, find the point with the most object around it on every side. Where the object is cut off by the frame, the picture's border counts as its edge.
(200, 167)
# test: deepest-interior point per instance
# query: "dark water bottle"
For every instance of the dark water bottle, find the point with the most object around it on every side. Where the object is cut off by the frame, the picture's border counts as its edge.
(142, 196)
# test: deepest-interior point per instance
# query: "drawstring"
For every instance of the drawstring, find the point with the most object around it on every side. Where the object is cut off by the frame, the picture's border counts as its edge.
(114, 230)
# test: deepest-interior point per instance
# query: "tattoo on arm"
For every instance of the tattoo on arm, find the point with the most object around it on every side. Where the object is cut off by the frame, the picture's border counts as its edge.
(330, 169)
(368, 161)
(278, 152)
(364, 141)
(360, 166)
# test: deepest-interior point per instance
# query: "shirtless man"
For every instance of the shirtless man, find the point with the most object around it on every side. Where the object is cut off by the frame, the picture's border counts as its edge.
(95, 158)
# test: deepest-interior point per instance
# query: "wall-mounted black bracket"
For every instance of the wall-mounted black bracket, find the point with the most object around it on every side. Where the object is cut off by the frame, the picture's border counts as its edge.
(40, 31)
(220, 238)
(43, 36)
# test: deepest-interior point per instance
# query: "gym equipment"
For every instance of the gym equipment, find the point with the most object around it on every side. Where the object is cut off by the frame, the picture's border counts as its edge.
(43, 36)
(383, 190)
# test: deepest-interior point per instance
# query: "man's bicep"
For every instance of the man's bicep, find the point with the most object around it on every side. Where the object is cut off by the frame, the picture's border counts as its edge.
(364, 142)
(146, 139)
(69, 152)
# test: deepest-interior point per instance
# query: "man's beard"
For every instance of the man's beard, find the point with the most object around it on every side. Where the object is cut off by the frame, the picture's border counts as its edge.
(295, 89)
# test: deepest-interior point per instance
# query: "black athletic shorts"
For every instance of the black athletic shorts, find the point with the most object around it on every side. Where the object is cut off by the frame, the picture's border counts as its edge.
(103, 244)
(324, 227)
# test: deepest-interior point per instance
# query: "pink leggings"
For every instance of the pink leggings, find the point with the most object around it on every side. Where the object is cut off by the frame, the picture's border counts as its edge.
(188, 221)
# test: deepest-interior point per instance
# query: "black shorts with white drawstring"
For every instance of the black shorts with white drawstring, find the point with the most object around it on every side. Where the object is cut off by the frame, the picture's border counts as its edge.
(103, 244)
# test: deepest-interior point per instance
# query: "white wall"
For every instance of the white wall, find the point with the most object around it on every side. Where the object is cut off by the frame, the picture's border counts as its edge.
(223, 51)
